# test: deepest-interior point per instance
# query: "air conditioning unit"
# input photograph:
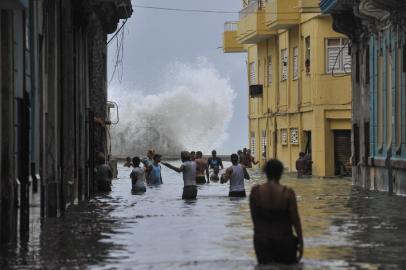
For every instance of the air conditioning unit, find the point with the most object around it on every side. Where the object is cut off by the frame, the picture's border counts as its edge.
(256, 90)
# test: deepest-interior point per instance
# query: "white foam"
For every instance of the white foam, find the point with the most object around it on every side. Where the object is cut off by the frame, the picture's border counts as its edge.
(192, 111)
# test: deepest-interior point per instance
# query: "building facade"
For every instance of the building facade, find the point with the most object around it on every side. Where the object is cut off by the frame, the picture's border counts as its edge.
(299, 83)
(378, 42)
(53, 104)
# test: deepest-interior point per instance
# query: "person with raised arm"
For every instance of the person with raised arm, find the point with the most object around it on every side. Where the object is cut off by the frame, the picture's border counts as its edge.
(188, 169)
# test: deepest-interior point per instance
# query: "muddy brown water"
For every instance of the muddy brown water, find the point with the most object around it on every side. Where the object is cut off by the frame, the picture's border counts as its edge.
(344, 228)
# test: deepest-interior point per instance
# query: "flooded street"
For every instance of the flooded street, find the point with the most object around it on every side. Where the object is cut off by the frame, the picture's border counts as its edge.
(344, 228)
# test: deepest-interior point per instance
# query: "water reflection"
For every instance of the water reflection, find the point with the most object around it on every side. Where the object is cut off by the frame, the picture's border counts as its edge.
(344, 228)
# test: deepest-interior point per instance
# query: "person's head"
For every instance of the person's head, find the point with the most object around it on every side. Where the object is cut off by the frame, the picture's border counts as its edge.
(151, 153)
(128, 159)
(192, 155)
(184, 156)
(136, 161)
(273, 170)
(239, 152)
(301, 154)
(216, 170)
(234, 158)
(157, 158)
(199, 154)
(213, 153)
(244, 150)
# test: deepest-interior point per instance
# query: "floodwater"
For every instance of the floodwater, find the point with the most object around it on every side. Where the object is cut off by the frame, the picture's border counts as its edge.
(344, 228)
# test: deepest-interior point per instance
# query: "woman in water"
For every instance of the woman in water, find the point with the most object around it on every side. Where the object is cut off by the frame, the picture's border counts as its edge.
(274, 212)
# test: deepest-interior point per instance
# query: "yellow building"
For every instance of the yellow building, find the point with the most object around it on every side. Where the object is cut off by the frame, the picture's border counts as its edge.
(298, 70)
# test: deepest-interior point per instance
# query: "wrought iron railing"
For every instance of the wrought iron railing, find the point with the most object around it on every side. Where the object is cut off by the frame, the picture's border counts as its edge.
(251, 7)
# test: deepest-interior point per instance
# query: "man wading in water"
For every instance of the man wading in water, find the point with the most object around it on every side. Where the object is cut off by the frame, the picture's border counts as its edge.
(201, 168)
(188, 168)
(236, 174)
(214, 160)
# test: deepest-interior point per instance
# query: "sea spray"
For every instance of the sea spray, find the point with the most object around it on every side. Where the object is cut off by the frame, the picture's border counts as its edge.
(192, 111)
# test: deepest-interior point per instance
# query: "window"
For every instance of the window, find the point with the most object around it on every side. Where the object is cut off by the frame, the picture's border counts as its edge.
(284, 136)
(398, 99)
(307, 52)
(294, 136)
(269, 70)
(367, 67)
(253, 143)
(389, 122)
(295, 63)
(338, 59)
(284, 61)
(379, 109)
(252, 73)
(263, 143)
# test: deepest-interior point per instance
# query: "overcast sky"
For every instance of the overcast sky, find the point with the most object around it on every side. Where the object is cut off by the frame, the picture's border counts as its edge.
(155, 39)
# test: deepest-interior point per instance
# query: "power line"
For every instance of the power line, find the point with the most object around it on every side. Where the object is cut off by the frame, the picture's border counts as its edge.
(204, 10)
(187, 10)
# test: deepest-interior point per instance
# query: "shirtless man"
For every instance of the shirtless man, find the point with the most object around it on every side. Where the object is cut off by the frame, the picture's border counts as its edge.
(201, 168)
(188, 168)
(192, 156)
(249, 160)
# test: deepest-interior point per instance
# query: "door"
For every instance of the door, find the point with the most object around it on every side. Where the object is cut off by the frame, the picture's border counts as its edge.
(342, 152)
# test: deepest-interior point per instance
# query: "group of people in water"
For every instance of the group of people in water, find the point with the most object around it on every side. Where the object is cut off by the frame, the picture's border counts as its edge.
(273, 206)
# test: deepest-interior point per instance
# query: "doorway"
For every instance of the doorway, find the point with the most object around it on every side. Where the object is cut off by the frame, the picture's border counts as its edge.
(342, 152)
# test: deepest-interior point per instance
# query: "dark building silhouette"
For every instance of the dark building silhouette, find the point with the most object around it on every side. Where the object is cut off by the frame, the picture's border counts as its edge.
(53, 105)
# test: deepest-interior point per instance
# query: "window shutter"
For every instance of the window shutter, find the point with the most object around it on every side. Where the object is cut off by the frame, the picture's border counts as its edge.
(295, 63)
(253, 144)
(284, 61)
(333, 61)
(346, 59)
(252, 73)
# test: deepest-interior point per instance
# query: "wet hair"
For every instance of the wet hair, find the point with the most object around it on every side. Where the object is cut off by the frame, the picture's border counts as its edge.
(136, 161)
(234, 157)
(301, 154)
(273, 169)
(185, 155)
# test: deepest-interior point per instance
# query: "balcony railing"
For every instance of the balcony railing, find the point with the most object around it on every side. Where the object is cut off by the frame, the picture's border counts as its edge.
(230, 26)
(252, 7)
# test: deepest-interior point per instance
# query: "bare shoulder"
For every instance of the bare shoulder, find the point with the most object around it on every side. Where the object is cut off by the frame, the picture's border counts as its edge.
(290, 192)
(255, 189)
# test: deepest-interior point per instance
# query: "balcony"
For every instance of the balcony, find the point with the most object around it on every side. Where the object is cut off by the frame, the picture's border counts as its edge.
(309, 6)
(230, 43)
(282, 14)
(252, 28)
